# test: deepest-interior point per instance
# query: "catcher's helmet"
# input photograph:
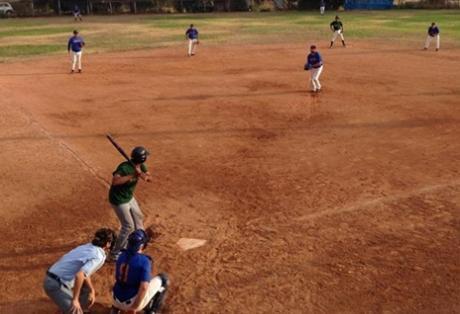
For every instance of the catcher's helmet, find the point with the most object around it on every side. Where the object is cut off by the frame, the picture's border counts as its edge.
(136, 239)
(139, 155)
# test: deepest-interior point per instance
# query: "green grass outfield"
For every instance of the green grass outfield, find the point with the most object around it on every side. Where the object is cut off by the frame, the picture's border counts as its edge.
(25, 37)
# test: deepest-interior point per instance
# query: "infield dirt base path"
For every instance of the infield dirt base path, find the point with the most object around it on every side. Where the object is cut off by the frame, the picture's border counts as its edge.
(348, 201)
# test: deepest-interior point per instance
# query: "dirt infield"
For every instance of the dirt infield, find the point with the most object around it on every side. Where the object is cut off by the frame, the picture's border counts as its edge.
(348, 201)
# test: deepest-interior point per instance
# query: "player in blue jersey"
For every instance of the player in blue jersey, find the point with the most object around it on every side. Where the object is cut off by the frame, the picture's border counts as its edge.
(75, 49)
(314, 64)
(135, 290)
(322, 6)
(192, 36)
(77, 13)
(433, 33)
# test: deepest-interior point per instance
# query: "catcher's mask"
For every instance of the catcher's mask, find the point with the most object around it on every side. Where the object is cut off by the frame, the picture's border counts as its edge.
(137, 239)
(104, 236)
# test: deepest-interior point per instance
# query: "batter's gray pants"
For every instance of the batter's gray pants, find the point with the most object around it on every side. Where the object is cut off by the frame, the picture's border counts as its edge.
(62, 295)
(131, 218)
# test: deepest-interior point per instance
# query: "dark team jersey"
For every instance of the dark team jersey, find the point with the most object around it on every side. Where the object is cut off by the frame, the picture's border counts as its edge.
(336, 25)
(131, 270)
(75, 43)
(192, 33)
(314, 60)
(433, 31)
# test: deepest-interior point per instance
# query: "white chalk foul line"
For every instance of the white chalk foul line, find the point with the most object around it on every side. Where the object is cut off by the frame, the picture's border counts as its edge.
(377, 201)
(66, 147)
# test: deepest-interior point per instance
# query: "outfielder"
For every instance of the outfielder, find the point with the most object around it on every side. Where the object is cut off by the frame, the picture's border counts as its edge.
(337, 29)
(68, 281)
(315, 65)
(322, 6)
(433, 33)
(77, 13)
(75, 48)
(192, 35)
(121, 197)
(135, 290)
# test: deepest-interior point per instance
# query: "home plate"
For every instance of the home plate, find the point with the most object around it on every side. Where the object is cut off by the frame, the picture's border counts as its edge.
(188, 244)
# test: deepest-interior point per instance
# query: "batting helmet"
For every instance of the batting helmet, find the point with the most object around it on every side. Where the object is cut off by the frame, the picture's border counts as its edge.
(139, 155)
(136, 239)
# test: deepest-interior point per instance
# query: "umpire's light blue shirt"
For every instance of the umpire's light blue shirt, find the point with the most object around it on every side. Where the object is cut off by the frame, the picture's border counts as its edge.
(87, 258)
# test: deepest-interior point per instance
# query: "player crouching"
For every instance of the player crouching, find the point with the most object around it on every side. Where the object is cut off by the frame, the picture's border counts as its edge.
(68, 281)
(433, 33)
(315, 65)
(337, 29)
(135, 290)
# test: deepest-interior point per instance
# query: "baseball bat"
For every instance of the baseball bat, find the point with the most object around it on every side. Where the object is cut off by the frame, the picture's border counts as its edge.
(120, 150)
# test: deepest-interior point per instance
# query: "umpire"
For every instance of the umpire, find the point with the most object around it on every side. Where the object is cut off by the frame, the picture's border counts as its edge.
(68, 281)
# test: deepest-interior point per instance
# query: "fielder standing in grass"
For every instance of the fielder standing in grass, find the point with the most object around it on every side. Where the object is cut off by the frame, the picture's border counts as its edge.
(322, 6)
(314, 64)
(433, 33)
(337, 29)
(77, 13)
(192, 36)
(75, 49)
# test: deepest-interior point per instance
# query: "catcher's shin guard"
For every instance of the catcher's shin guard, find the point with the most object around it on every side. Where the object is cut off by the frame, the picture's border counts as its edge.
(157, 301)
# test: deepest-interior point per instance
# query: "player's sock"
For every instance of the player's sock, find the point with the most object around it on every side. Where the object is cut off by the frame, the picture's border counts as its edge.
(331, 44)
(343, 43)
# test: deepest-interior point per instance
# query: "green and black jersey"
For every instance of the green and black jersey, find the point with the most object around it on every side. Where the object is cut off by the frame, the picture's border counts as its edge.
(336, 25)
(121, 194)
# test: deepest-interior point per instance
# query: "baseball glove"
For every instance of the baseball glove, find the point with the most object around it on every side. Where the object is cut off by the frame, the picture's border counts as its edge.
(306, 67)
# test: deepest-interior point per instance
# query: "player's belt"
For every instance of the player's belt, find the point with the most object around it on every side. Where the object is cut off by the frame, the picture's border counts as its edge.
(56, 277)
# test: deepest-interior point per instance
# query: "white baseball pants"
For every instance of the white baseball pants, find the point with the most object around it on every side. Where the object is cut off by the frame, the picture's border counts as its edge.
(430, 38)
(321, 10)
(315, 73)
(155, 286)
(192, 46)
(336, 34)
(76, 60)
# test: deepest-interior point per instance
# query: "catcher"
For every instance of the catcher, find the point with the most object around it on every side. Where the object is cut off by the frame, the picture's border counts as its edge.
(192, 35)
(135, 290)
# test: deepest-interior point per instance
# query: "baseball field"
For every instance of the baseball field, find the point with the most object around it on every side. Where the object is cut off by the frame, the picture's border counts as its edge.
(343, 202)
